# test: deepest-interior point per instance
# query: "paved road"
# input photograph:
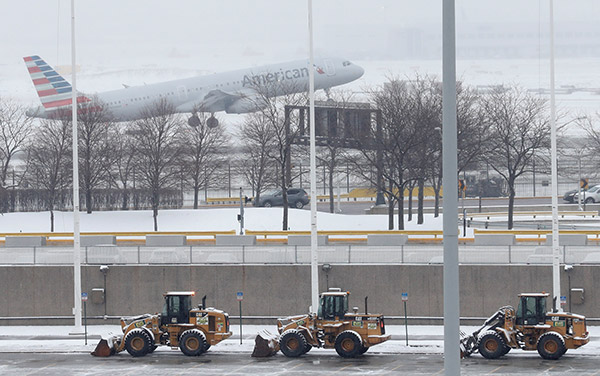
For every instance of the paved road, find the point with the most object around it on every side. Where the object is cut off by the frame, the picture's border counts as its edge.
(359, 207)
(215, 363)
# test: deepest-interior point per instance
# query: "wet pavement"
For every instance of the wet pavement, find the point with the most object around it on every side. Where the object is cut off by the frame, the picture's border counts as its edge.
(216, 363)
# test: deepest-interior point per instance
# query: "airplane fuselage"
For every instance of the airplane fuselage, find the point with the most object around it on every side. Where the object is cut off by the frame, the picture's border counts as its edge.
(232, 92)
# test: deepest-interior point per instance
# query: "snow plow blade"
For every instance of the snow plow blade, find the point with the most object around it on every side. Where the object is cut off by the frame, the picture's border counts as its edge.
(265, 344)
(103, 349)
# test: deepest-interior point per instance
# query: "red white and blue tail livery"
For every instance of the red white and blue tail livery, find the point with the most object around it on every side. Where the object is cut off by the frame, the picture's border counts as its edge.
(54, 91)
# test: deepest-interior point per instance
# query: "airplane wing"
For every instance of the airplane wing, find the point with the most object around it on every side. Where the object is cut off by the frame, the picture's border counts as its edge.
(214, 101)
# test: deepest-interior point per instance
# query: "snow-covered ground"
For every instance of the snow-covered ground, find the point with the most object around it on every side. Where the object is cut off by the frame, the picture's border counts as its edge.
(222, 219)
(422, 339)
(225, 219)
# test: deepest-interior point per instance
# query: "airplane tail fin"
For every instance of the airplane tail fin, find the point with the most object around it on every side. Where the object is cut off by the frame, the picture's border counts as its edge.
(54, 91)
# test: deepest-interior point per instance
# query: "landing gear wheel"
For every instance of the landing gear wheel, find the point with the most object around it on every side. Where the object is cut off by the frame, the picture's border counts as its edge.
(292, 343)
(192, 342)
(212, 122)
(551, 346)
(298, 205)
(194, 121)
(138, 342)
(491, 345)
(348, 344)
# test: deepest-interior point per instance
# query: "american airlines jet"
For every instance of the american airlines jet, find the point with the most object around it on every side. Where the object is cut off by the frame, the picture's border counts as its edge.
(234, 92)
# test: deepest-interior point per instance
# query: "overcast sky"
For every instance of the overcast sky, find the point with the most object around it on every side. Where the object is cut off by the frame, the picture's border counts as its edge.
(132, 29)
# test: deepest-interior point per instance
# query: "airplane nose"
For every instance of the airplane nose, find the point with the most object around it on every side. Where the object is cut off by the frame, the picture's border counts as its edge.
(359, 71)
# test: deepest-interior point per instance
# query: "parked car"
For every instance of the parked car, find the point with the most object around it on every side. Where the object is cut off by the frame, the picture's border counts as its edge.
(297, 198)
(568, 196)
(590, 196)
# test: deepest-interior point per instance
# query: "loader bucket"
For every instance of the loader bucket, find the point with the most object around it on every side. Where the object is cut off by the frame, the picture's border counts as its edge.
(265, 344)
(103, 349)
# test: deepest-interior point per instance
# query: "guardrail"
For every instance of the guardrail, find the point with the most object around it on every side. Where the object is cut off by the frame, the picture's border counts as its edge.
(122, 237)
(537, 234)
(534, 214)
(349, 236)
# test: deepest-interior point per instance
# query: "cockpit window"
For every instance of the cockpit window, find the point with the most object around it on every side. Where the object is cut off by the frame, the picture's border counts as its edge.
(346, 63)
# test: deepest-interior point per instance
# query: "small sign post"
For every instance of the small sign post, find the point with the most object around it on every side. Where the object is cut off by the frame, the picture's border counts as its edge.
(240, 297)
(404, 300)
(84, 298)
(563, 300)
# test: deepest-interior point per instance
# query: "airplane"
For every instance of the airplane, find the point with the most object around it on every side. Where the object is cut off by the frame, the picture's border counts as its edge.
(235, 92)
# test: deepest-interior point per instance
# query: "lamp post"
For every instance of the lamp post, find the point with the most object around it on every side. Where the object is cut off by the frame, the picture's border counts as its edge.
(554, 188)
(76, 235)
(314, 270)
(450, 181)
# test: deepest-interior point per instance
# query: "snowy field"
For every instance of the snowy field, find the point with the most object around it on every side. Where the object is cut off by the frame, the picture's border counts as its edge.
(225, 219)
(222, 219)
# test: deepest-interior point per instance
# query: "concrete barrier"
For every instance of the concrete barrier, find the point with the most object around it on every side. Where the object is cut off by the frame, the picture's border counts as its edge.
(103, 254)
(304, 240)
(25, 241)
(568, 239)
(235, 239)
(165, 240)
(91, 240)
(494, 239)
(386, 239)
(280, 290)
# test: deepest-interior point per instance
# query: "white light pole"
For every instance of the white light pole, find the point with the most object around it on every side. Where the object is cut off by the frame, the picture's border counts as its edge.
(314, 259)
(554, 170)
(450, 184)
(76, 238)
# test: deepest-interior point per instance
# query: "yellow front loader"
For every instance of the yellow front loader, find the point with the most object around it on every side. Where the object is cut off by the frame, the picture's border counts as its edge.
(531, 328)
(192, 330)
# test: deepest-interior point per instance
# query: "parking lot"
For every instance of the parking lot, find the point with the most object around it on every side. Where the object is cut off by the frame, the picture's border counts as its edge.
(224, 363)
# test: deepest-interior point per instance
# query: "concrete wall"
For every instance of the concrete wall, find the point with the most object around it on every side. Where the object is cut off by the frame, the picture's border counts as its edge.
(282, 290)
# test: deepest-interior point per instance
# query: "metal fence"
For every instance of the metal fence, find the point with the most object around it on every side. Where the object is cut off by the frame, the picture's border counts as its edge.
(283, 254)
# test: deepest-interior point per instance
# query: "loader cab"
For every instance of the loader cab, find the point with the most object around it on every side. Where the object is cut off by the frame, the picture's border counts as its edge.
(532, 309)
(332, 305)
(176, 309)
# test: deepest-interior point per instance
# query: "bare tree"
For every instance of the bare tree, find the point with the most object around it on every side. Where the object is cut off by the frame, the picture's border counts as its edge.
(590, 124)
(96, 138)
(158, 149)
(271, 112)
(396, 141)
(123, 167)
(255, 165)
(201, 153)
(15, 129)
(332, 154)
(50, 166)
(518, 126)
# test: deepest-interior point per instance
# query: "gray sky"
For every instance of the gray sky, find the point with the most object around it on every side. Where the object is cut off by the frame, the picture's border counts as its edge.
(142, 29)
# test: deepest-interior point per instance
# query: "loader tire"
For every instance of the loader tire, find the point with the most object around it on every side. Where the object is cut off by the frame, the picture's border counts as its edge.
(192, 342)
(292, 343)
(364, 349)
(348, 344)
(307, 347)
(491, 345)
(138, 342)
(551, 346)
